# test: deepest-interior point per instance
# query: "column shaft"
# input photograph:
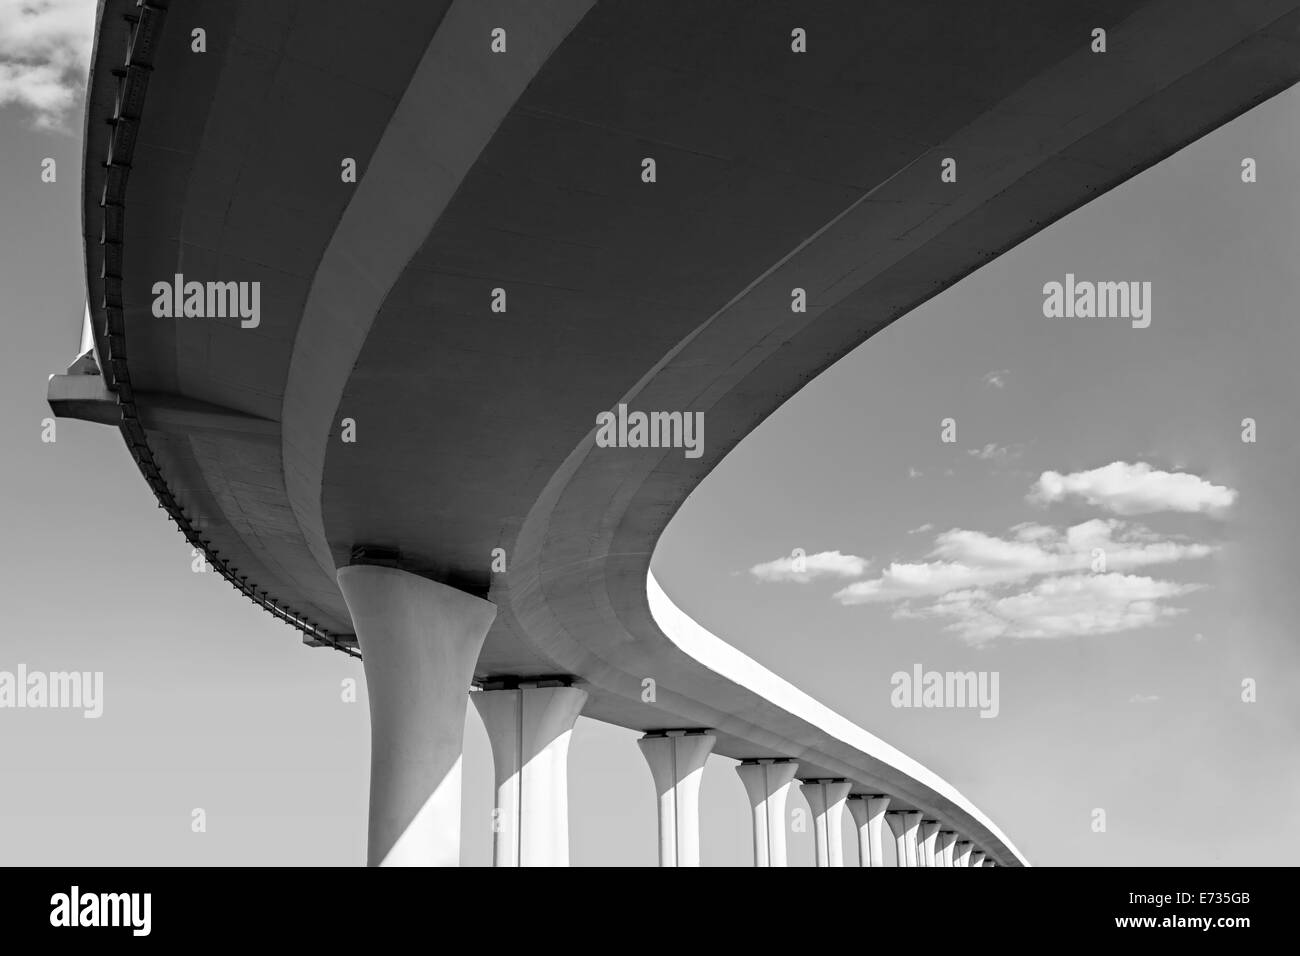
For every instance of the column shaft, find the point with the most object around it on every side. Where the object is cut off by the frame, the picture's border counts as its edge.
(676, 760)
(420, 641)
(869, 815)
(911, 826)
(768, 783)
(899, 829)
(943, 852)
(927, 835)
(961, 853)
(826, 800)
(530, 728)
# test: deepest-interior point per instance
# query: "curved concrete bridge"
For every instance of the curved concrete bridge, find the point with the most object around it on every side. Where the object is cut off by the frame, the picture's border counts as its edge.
(373, 399)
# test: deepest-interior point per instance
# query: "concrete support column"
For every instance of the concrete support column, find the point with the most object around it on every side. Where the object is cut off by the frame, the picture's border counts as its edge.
(943, 851)
(768, 783)
(826, 800)
(927, 836)
(676, 759)
(898, 825)
(977, 858)
(530, 728)
(961, 853)
(911, 829)
(869, 815)
(420, 641)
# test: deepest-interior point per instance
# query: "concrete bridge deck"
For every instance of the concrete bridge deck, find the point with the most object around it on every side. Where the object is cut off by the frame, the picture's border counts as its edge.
(522, 171)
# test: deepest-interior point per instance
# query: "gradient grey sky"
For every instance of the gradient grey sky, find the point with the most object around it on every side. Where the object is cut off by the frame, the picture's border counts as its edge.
(211, 703)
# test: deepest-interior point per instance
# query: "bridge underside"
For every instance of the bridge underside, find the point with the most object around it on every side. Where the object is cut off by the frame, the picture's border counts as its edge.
(774, 170)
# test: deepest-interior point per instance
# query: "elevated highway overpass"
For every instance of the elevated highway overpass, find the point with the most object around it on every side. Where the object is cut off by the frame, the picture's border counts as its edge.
(398, 455)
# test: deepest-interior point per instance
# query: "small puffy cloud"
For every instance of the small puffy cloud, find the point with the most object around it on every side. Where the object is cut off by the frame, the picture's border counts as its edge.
(805, 568)
(913, 472)
(1144, 698)
(44, 56)
(997, 379)
(922, 529)
(1125, 489)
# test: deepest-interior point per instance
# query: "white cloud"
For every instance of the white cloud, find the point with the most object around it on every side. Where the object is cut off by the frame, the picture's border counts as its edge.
(805, 568)
(1144, 698)
(1126, 489)
(913, 472)
(997, 379)
(963, 560)
(45, 55)
(1076, 605)
(1036, 581)
(922, 529)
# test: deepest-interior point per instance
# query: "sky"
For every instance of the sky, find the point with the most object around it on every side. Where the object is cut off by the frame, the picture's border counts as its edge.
(1120, 689)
